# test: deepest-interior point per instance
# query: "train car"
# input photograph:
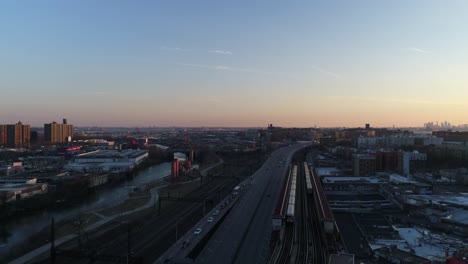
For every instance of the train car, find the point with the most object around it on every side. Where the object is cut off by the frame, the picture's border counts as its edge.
(308, 180)
(290, 213)
(309, 187)
(293, 190)
(292, 193)
(292, 197)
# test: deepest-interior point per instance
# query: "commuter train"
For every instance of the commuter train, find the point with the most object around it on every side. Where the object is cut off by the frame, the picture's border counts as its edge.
(292, 197)
(307, 175)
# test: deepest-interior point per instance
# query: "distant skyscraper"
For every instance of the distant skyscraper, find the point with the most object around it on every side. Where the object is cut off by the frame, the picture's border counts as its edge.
(58, 133)
(18, 135)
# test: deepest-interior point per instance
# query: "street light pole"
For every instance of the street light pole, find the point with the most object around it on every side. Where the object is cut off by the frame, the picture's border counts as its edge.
(129, 252)
(204, 207)
(177, 229)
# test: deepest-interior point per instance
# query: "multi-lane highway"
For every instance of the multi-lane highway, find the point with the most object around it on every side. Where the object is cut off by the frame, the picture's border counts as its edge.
(190, 243)
(245, 233)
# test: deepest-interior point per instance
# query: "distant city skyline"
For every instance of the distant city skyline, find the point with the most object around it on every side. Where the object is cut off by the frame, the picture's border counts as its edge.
(424, 125)
(234, 64)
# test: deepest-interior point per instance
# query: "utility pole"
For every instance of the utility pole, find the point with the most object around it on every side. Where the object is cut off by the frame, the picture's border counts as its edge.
(52, 241)
(177, 229)
(80, 222)
(128, 244)
(204, 207)
(159, 206)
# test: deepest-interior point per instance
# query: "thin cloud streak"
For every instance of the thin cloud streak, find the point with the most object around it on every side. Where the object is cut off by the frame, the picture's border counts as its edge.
(258, 71)
(225, 68)
(325, 72)
(418, 50)
(212, 100)
(173, 49)
(95, 93)
(393, 100)
(222, 52)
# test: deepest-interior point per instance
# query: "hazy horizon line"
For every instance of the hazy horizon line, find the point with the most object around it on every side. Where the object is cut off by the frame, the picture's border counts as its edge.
(248, 127)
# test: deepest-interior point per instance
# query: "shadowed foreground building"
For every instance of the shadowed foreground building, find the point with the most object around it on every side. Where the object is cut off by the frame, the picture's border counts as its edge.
(58, 133)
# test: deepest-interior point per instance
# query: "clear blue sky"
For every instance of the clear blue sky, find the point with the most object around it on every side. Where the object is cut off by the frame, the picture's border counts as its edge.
(234, 63)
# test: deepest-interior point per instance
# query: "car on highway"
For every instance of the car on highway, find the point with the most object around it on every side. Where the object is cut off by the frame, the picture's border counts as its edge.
(210, 219)
(216, 212)
(185, 244)
(197, 231)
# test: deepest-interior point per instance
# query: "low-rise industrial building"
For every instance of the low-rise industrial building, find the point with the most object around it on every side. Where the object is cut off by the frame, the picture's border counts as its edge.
(393, 254)
(12, 192)
(351, 183)
(108, 161)
(341, 259)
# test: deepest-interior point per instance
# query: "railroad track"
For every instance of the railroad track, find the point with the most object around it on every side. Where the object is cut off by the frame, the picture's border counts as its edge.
(286, 246)
(303, 240)
(151, 237)
(318, 249)
(302, 225)
(162, 229)
(310, 247)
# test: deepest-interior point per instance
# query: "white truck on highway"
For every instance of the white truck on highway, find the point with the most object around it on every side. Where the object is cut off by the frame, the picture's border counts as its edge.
(236, 190)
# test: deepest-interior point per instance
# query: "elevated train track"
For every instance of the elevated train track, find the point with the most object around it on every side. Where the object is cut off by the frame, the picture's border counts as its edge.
(285, 248)
(302, 239)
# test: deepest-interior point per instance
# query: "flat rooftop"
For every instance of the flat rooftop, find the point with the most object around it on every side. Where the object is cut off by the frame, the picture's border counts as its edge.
(328, 171)
(16, 179)
(341, 259)
(400, 179)
(392, 253)
(351, 234)
(103, 154)
(354, 197)
(375, 226)
(460, 200)
(426, 244)
(16, 187)
(352, 180)
(457, 215)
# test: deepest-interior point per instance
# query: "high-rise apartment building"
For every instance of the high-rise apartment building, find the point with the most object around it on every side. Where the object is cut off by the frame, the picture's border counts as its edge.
(363, 165)
(410, 162)
(58, 133)
(386, 161)
(18, 135)
(3, 135)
